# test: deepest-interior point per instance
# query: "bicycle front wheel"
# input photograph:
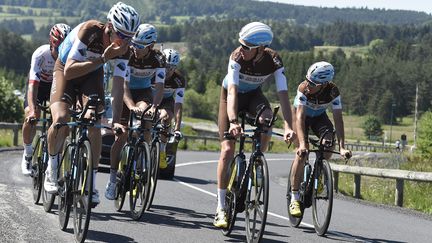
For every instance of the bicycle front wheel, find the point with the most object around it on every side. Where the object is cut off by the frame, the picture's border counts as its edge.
(257, 200)
(64, 199)
(37, 168)
(47, 198)
(123, 177)
(231, 195)
(139, 190)
(322, 202)
(154, 157)
(82, 191)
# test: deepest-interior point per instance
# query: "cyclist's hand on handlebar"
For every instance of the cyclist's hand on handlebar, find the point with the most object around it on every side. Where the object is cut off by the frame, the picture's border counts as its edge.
(345, 153)
(118, 128)
(235, 130)
(178, 135)
(289, 135)
(302, 151)
(137, 110)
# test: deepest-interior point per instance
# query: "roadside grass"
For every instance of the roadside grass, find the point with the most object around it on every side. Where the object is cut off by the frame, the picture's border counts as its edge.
(6, 138)
(348, 50)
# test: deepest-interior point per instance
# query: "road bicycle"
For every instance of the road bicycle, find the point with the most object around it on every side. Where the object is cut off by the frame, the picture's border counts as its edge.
(40, 160)
(248, 188)
(316, 189)
(76, 170)
(134, 169)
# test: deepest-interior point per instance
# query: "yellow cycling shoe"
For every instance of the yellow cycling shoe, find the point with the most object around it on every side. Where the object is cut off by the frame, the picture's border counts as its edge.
(294, 209)
(220, 219)
(162, 160)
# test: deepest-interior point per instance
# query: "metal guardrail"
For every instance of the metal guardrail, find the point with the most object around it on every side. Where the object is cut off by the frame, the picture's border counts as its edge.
(399, 175)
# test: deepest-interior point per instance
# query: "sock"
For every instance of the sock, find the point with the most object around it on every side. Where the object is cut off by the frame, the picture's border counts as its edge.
(221, 197)
(28, 150)
(295, 196)
(113, 176)
(162, 147)
(94, 179)
(53, 161)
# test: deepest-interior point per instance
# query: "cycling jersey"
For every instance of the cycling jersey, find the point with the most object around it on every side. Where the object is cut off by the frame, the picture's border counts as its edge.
(250, 75)
(174, 87)
(143, 70)
(42, 65)
(83, 42)
(317, 103)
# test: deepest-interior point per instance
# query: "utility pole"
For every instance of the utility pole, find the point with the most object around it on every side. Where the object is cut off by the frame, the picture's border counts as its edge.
(416, 117)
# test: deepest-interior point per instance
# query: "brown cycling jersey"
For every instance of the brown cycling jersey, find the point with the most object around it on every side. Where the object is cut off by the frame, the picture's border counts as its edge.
(143, 71)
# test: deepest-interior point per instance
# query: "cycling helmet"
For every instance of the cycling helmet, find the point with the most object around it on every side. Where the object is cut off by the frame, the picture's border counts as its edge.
(145, 35)
(320, 72)
(172, 57)
(58, 33)
(257, 34)
(124, 19)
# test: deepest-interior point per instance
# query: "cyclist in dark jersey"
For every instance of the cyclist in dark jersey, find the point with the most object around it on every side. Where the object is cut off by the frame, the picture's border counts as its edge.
(172, 103)
(145, 64)
(314, 95)
(250, 65)
(38, 87)
(79, 72)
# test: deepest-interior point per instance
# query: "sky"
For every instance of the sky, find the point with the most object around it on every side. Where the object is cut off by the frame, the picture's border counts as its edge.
(416, 5)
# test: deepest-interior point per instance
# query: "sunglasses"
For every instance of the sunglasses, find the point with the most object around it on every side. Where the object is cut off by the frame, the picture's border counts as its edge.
(139, 46)
(248, 48)
(313, 84)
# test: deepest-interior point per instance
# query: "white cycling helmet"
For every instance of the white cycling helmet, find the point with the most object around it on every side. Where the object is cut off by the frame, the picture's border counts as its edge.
(257, 34)
(172, 57)
(145, 35)
(320, 72)
(124, 19)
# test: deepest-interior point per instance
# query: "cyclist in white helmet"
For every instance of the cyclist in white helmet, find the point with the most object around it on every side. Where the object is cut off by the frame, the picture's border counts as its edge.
(38, 87)
(146, 68)
(314, 96)
(78, 71)
(250, 65)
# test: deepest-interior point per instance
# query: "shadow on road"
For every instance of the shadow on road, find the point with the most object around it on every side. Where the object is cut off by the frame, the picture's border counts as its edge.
(191, 180)
(93, 235)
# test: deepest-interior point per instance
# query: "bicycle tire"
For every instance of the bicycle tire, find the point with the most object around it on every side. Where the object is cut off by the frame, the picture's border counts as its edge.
(154, 157)
(294, 221)
(138, 181)
(231, 197)
(326, 195)
(37, 169)
(47, 198)
(82, 191)
(64, 199)
(257, 197)
(123, 177)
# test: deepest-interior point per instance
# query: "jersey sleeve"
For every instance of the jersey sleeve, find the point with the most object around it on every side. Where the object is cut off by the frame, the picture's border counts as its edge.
(179, 95)
(160, 75)
(120, 67)
(35, 66)
(280, 79)
(300, 99)
(337, 103)
(233, 73)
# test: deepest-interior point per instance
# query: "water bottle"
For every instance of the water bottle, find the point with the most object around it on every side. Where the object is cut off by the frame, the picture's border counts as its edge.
(307, 171)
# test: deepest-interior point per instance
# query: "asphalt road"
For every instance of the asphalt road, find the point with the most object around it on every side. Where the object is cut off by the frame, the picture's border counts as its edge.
(184, 208)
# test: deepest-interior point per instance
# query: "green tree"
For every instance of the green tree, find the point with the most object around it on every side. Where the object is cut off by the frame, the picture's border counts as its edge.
(10, 106)
(372, 128)
(425, 135)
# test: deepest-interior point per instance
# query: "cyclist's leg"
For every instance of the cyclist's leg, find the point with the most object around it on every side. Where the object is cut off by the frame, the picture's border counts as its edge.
(28, 133)
(143, 98)
(255, 102)
(166, 113)
(62, 95)
(319, 126)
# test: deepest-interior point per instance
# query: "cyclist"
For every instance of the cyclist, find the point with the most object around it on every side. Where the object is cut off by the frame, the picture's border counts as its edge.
(314, 95)
(79, 72)
(250, 65)
(38, 87)
(145, 64)
(172, 103)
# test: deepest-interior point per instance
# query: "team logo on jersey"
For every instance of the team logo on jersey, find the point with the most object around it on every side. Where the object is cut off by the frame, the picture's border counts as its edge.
(181, 94)
(277, 62)
(336, 102)
(82, 52)
(302, 98)
(121, 66)
(235, 66)
(161, 75)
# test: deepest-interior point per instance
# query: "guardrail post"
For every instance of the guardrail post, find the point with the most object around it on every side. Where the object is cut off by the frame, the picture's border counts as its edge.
(357, 182)
(399, 192)
(205, 142)
(15, 138)
(185, 143)
(336, 181)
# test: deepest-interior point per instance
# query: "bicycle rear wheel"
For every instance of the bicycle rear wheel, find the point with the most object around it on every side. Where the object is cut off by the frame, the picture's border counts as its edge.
(37, 168)
(123, 177)
(82, 191)
(154, 157)
(295, 221)
(64, 199)
(257, 200)
(139, 191)
(231, 196)
(322, 202)
(47, 198)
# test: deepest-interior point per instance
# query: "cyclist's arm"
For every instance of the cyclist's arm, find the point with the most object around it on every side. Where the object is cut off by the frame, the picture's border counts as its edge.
(32, 94)
(178, 107)
(300, 124)
(339, 125)
(159, 86)
(232, 91)
(127, 97)
(282, 88)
